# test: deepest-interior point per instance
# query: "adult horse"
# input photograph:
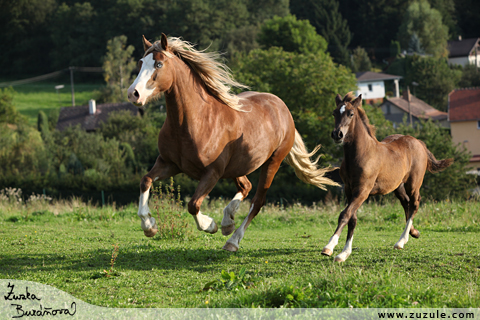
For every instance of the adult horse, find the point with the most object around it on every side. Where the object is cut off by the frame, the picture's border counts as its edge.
(397, 163)
(210, 133)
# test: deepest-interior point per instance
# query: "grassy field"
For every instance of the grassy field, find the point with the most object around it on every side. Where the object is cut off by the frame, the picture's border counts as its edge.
(30, 99)
(101, 256)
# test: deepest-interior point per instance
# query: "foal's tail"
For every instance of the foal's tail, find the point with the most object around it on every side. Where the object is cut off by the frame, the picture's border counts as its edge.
(435, 165)
(305, 169)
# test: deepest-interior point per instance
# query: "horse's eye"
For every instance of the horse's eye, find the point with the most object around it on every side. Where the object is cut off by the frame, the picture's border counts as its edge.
(351, 115)
(158, 65)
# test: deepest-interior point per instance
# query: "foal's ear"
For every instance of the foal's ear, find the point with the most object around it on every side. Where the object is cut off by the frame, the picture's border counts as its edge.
(338, 99)
(357, 102)
(146, 43)
(164, 41)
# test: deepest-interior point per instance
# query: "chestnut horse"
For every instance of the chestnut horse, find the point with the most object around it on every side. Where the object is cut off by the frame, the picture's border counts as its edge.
(210, 134)
(369, 167)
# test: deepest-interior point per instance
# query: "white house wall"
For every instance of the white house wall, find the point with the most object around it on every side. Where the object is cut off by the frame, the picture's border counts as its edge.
(377, 90)
(463, 61)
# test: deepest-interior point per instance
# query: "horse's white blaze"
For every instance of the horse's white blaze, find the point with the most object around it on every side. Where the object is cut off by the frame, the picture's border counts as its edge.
(332, 243)
(148, 221)
(347, 250)
(230, 209)
(240, 232)
(204, 223)
(145, 74)
(342, 109)
(404, 237)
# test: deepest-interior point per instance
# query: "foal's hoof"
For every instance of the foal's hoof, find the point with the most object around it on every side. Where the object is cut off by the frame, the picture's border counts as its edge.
(415, 233)
(398, 246)
(327, 252)
(339, 259)
(150, 232)
(212, 230)
(226, 230)
(230, 247)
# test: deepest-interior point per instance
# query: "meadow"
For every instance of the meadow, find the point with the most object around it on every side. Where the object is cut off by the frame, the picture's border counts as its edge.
(100, 255)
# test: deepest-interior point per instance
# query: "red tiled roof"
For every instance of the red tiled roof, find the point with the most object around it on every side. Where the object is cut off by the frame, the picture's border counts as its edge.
(72, 116)
(464, 105)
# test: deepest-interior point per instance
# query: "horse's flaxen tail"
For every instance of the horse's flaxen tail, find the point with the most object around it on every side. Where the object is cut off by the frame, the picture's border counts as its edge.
(305, 169)
(435, 165)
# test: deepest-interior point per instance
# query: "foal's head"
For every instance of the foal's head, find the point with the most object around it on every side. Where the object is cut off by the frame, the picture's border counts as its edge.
(344, 115)
(155, 74)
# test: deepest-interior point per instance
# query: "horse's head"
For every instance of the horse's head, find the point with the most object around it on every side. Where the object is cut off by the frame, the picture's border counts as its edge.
(155, 74)
(344, 115)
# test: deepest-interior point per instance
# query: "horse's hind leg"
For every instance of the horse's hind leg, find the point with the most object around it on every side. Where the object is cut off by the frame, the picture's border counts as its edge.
(206, 184)
(160, 171)
(243, 188)
(410, 204)
(268, 171)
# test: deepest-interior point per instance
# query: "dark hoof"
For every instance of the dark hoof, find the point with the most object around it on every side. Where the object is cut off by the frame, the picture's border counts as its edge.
(230, 247)
(150, 232)
(415, 233)
(214, 230)
(327, 252)
(228, 229)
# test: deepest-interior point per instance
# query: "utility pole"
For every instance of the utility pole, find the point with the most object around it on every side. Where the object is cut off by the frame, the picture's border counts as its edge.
(71, 84)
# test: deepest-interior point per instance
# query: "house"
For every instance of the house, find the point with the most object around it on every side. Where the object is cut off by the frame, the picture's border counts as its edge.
(464, 52)
(464, 117)
(371, 85)
(90, 117)
(395, 109)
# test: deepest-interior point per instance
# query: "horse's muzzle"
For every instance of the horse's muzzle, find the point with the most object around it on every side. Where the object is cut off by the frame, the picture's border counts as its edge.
(337, 136)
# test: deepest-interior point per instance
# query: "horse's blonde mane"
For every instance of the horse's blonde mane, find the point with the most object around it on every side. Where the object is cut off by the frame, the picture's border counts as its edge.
(349, 97)
(216, 76)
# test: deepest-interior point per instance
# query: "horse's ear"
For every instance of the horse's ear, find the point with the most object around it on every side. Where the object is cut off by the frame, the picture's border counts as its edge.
(338, 99)
(146, 43)
(357, 102)
(164, 42)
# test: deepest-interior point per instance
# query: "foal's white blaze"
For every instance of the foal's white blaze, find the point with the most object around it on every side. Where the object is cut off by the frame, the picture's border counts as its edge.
(148, 221)
(347, 250)
(205, 223)
(240, 232)
(404, 237)
(230, 209)
(342, 109)
(332, 243)
(140, 83)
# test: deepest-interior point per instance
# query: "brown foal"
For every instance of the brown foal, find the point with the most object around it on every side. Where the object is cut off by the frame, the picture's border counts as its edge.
(370, 167)
(210, 134)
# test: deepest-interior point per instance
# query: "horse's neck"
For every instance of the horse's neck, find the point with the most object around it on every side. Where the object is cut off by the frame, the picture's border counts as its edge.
(360, 141)
(186, 98)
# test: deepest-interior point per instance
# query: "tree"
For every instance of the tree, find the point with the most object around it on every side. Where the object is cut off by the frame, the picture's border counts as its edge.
(426, 22)
(470, 77)
(414, 45)
(291, 34)
(325, 16)
(118, 65)
(8, 112)
(360, 60)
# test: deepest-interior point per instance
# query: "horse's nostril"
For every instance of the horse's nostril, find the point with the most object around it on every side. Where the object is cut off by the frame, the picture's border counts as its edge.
(136, 94)
(340, 135)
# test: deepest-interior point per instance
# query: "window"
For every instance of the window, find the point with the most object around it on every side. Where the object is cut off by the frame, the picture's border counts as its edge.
(370, 87)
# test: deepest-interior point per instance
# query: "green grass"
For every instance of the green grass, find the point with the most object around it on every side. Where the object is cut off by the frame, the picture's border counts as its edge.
(70, 245)
(31, 98)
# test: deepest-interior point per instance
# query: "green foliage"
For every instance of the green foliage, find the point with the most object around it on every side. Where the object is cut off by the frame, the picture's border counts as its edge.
(360, 60)
(435, 78)
(453, 182)
(470, 77)
(426, 22)
(118, 66)
(230, 281)
(8, 112)
(394, 48)
(292, 35)
(43, 125)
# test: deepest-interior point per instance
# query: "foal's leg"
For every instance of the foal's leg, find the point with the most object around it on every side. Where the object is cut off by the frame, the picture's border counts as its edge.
(160, 170)
(347, 216)
(243, 188)
(206, 184)
(410, 205)
(268, 171)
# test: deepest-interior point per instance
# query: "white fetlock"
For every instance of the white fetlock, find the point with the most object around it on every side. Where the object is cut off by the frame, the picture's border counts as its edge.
(347, 250)
(328, 249)
(205, 223)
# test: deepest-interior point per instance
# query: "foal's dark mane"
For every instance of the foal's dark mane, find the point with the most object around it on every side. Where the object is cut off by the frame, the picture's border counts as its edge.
(349, 97)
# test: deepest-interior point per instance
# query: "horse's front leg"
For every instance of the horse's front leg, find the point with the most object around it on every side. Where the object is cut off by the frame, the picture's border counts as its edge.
(243, 188)
(161, 170)
(206, 184)
(348, 216)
